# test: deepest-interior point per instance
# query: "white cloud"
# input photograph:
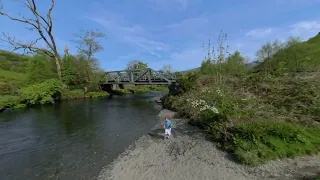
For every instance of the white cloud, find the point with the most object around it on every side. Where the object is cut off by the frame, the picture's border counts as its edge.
(305, 29)
(302, 29)
(135, 35)
(259, 33)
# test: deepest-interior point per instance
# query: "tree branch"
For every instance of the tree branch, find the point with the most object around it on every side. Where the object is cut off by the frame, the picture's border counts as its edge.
(27, 47)
(36, 23)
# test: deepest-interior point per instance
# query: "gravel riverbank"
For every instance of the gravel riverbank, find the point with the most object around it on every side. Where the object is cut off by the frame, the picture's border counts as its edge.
(189, 155)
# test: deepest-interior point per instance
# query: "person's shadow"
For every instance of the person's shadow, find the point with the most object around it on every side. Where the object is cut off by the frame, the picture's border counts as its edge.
(157, 133)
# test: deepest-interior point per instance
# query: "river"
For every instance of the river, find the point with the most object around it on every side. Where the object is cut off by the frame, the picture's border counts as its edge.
(72, 139)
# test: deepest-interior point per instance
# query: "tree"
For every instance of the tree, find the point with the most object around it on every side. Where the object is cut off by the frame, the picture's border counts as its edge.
(235, 64)
(265, 52)
(135, 64)
(88, 45)
(43, 25)
(167, 68)
(292, 41)
(39, 69)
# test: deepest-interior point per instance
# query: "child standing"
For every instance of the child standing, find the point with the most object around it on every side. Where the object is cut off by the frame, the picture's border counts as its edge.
(167, 126)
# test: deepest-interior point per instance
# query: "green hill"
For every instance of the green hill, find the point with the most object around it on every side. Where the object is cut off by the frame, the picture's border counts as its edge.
(12, 72)
(304, 56)
(13, 62)
(260, 115)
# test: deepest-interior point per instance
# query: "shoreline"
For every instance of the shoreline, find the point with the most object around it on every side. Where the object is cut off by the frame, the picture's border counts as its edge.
(15, 106)
(189, 154)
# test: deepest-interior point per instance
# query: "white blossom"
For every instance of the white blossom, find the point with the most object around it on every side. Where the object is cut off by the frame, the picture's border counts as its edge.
(202, 105)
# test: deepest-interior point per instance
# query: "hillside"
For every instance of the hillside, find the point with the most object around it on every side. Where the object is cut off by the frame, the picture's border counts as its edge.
(257, 115)
(296, 58)
(13, 62)
(247, 65)
(190, 70)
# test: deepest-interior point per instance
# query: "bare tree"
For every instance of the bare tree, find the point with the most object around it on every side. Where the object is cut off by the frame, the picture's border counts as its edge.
(42, 24)
(132, 65)
(88, 44)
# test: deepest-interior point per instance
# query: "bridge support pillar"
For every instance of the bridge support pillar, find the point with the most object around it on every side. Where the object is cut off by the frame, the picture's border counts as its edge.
(114, 86)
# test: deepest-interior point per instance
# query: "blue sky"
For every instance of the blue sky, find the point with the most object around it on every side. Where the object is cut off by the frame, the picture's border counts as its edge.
(162, 32)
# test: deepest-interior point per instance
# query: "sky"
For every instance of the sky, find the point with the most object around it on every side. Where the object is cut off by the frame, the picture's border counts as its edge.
(170, 32)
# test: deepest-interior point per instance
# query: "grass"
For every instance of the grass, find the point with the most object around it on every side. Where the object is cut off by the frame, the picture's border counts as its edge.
(258, 142)
(79, 94)
(141, 89)
(288, 105)
(11, 81)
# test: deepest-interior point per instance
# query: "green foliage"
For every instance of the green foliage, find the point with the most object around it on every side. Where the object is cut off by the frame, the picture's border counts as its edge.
(286, 100)
(135, 64)
(140, 89)
(123, 91)
(19, 106)
(146, 88)
(97, 94)
(80, 94)
(13, 62)
(9, 101)
(39, 69)
(234, 64)
(67, 72)
(293, 56)
(41, 93)
(188, 81)
(31, 79)
(254, 143)
(74, 94)
(11, 81)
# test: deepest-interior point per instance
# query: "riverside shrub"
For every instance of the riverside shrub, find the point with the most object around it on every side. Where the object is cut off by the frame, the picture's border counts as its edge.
(41, 93)
(288, 106)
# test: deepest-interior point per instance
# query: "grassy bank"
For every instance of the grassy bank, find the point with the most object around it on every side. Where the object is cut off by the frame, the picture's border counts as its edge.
(142, 89)
(271, 111)
(80, 94)
(43, 93)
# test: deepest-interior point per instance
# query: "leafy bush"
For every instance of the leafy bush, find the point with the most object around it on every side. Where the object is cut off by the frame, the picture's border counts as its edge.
(46, 92)
(74, 94)
(187, 82)
(9, 101)
(97, 94)
(79, 94)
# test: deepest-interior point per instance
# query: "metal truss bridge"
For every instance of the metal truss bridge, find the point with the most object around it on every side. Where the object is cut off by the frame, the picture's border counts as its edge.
(145, 76)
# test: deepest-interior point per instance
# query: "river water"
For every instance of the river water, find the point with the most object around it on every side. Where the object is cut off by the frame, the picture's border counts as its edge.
(73, 139)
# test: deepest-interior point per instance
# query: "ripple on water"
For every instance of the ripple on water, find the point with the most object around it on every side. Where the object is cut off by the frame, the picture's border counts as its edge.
(73, 139)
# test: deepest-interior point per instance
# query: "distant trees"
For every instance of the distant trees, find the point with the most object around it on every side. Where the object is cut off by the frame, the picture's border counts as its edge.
(219, 62)
(290, 55)
(43, 25)
(135, 64)
(167, 68)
